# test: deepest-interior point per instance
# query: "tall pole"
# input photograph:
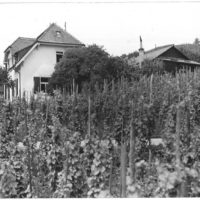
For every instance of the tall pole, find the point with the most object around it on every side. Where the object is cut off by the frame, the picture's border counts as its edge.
(65, 26)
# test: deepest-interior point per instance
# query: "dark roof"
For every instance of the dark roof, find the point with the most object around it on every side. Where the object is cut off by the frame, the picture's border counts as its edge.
(20, 43)
(47, 36)
(154, 53)
(158, 52)
(22, 52)
(50, 36)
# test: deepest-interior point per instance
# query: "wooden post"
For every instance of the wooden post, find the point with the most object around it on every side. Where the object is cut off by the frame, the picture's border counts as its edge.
(89, 115)
(64, 92)
(132, 152)
(123, 149)
(186, 183)
(73, 87)
(123, 169)
(177, 142)
(29, 146)
(111, 173)
(47, 113)
(150, 101)
(178, 126)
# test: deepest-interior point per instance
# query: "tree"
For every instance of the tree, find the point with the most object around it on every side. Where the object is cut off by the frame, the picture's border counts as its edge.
(196, 41)
(86, 66)
(134, 54)
(191, 51)
(5, 80)
(4, 77)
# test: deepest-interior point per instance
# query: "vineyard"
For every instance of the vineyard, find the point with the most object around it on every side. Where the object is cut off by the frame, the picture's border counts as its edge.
(99, 143)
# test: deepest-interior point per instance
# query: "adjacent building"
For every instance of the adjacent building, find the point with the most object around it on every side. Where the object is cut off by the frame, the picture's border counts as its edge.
(31, 61)
(169, 55)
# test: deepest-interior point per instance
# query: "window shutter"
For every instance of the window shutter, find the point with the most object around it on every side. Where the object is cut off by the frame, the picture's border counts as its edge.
(36, 84)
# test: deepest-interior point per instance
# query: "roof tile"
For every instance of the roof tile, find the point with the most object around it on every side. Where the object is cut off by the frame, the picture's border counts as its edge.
(21, 43)
(55, 34)
(154, 53)
(49, 35)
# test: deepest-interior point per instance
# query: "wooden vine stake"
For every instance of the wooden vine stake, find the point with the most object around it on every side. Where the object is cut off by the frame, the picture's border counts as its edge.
(184, 183)
(112, 158)
(123, 169)
(89, 115)
(150, 101)
(178, 128)
(111, 175)
(132, 152)
(47, 113)
(29, 146)
(123, 157)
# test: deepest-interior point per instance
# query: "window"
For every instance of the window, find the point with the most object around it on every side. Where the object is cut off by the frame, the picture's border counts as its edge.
(58, 34)
(43, 84)
(59, 55)
(40, 84)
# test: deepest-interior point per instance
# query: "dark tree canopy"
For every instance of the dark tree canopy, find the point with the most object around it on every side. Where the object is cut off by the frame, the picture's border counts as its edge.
(134, 54)
(87, 66)
(196, 41)
(192, 51)
(4, 77)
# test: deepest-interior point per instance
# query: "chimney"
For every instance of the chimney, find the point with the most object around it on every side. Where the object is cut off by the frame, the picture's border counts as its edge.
(65, 26)
(141, 53)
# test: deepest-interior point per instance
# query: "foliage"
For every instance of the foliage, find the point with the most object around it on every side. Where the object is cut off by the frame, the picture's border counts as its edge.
(5, 78)
(86, 66)
(69, 145)
(191, 51)
(196, 41)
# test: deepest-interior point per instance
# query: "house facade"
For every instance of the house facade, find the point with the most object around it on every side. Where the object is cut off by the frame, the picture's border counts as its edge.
(31, 62)
(169, 55)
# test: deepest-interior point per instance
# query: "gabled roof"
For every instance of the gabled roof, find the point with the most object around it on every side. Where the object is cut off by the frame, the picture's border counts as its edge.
(23, 52)
(162, 53)
(154, 53)
(50, 36)
(47, 36)
(54, 35)
(20, 43)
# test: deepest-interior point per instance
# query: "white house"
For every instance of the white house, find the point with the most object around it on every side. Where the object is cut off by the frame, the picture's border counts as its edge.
(30, 61)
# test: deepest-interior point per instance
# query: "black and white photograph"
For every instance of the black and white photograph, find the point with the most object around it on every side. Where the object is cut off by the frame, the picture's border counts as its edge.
(99, 99)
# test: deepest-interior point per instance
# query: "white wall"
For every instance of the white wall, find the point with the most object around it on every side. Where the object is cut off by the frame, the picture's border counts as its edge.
(40, 62)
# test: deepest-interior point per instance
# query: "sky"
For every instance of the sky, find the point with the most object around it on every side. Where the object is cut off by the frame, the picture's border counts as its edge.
(115, 25)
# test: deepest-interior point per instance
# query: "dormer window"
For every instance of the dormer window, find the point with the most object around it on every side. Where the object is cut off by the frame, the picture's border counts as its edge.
(58, 33)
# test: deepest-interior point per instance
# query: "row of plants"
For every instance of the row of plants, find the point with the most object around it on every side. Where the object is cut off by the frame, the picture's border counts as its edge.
(99, 143)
